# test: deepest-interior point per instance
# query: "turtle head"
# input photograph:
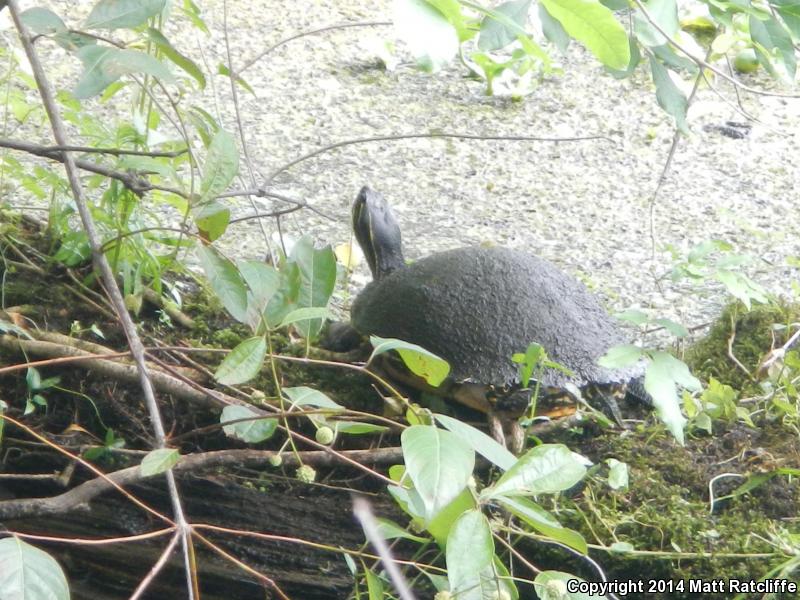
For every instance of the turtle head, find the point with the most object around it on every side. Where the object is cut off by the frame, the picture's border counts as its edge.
(377, 233)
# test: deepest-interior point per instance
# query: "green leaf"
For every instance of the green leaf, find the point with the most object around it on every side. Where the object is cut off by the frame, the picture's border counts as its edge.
(669, 97)
(374, 585)
(617, 474)
(103, 66)
(263, 281)
(495, 34)
(42, 21)
(252, 432)
(221, 166)
(317, 271)
(534, 355)
(774, 37)
(74, 250)
(182, 61)
(558, 581)
(543, 522)
(593, 25)
(159, 461)
(742, 287)
(661, 379)
(484, 445)
(470, 550)
(665, 14)
(116, 14)
(545, 469)
(306, 396)
(356, 427)
(226, 281)
(224, 70)
(212, 219)
(29, 573)
(553, 30)
(636, 58)
(243, 363)
(389, 530)
(304, 314)
(439, 464)
(431, 38)
(674, 328)
(619, 357)
(419, 361)
(789, 10)
(634, 316)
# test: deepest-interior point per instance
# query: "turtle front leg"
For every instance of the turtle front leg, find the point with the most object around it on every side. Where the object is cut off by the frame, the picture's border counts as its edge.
(507, 432)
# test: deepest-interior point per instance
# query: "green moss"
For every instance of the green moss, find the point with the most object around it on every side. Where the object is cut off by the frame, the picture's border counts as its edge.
(753, 338)
(665, 514)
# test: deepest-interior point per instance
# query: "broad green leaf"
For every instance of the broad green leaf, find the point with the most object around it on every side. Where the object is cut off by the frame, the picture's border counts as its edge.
(470, 550)
(431, 38)
(617, 474)
(552, 585)
(451, 10)
(29, 573)
(441, 525)
(226, 281)
(742, 287)
(669, 97)
(619, 357)
(484, 445)
(224, 70)
(545, 469)
(221, 166)
(116, 14)
(374, 585)
(661, 379)
(317, 270)
(439, 464)
(553, 30)
(633, 315)
(419, 361)
(356, 427)
(286, 296)
(389, 530)
(774, 37)
(533, 357)
(185, 63)
(42, 21)
(243, 363)
(593, 25)
(212, 219)
(543, 522)
(636, 58)
(789, 10)
(306, 396)
(665, 14)
(102, 66)
(299, 315)
(674, 328)
(74, 250)
(252, 432)
(159, 461)
(263, 281)
(495, 34)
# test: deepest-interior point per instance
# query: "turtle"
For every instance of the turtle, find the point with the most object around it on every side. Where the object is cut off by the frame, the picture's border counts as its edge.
(477, 306)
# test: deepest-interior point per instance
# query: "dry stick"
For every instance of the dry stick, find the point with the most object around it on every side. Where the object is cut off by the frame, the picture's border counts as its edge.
(83, 493)
(156, 568)
(245, 567)
(261, 55)
(239, 124)
(408, 136)
(101, 264)
(363, 512)
(44, 150)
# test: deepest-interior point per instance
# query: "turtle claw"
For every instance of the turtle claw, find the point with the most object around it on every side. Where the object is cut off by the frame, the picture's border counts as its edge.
(507, 433)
